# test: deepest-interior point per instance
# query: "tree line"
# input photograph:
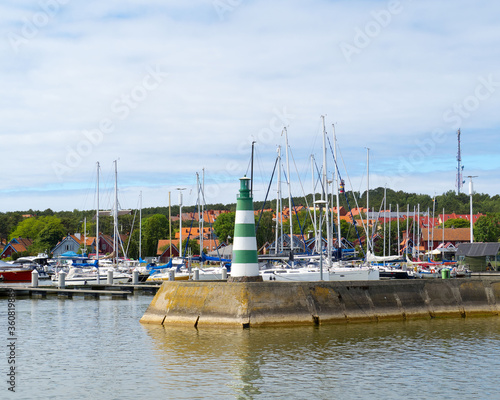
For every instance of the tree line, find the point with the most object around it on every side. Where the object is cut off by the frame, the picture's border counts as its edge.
(46, 228)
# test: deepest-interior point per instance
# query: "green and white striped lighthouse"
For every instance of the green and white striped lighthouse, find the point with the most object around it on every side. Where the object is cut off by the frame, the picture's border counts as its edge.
(244, 265)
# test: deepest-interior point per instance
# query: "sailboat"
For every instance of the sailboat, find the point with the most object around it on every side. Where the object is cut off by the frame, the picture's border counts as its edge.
(83, 271)
(320, 267)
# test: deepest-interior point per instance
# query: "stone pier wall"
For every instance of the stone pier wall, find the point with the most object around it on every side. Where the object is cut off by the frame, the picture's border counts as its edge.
(301, 303)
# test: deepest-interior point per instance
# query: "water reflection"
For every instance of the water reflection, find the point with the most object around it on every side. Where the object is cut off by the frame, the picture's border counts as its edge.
(348, 361)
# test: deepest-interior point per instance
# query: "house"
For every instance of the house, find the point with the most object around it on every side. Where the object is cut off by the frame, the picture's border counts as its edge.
(16, 246)
(432, 238)
(480, 256)
(106, 243)
(163, 250)
(73, 243)
(208, 216)
(284, 243)
(445, 217)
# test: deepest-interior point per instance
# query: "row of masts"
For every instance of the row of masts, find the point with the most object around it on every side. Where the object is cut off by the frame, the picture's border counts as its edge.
(323, 204)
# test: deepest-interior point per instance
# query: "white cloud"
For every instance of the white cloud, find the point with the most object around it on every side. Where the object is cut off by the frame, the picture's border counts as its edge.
(225, 79)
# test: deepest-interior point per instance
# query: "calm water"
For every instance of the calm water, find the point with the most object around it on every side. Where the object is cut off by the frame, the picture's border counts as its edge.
(97, 349)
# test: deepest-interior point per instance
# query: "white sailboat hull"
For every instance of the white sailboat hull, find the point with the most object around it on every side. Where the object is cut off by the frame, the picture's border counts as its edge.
(315, 274)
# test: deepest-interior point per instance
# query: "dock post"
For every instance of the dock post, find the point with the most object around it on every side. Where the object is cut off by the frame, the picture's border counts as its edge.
(62, 280)
(171, 275)
(110, 276)
(224, 273)
(196, 274)
(34, 278)
(135, 277)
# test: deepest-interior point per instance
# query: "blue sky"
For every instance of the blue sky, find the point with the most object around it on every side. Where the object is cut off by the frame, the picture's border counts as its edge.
(169, 88)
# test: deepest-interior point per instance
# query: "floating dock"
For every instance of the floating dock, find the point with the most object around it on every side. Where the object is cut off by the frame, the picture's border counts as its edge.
(88, 291)
(249, 304)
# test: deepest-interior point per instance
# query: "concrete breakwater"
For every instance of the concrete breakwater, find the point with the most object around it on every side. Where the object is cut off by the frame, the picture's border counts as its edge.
(302, 303)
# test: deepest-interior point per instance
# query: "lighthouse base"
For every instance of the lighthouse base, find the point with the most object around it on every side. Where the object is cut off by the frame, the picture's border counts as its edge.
(247, 304)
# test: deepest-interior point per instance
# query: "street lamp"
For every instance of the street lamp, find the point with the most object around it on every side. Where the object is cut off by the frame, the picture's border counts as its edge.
(471, 191)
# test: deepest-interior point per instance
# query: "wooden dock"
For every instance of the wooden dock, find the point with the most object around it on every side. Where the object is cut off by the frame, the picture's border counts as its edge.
(88, 291)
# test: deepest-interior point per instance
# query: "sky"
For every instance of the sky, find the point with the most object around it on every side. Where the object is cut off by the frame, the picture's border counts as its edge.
(172, 89)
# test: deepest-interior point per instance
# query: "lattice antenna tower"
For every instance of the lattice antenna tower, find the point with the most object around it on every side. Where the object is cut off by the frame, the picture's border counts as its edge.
(460, 180)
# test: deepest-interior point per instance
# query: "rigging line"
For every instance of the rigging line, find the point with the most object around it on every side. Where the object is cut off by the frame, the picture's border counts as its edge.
(345, 195)
(258, 162)
(301, 186)
(319, 174)
(301, 230)
(355, 200)
(265, 200)
(133, 223)
(319, 133)
(190, 228)
(89, 189)
(377, 220)
(210, 223)
(291, 216)
(249, 165)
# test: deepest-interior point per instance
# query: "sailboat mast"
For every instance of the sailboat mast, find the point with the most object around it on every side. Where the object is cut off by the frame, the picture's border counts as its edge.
(368, 239)
(170, 224)
(85, 235)
(115, 216)
(97, 226)
(324, 196)
(181, 250)
(140, 224)
(433, 216)
(203, 209)
(198, 189)
(407, 227)
(278, 210)
(251, 172)
(413, 232)
(339, 233)
(418, 230)
(314, 206)
(389, 230)
(385, 207)
(399, 241)
(290, 213)
(443, 237)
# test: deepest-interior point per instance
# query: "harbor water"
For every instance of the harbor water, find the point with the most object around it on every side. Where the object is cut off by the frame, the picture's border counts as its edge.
(97, 349)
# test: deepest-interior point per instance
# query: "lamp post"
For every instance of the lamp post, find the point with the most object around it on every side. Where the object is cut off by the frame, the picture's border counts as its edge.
(471, 192)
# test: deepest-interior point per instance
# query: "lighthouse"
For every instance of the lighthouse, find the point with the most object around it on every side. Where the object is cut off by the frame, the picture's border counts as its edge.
(244, 265)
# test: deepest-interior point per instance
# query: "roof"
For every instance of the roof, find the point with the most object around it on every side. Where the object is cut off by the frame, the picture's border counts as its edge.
(478, 249)
(164, 244)
(450, 234)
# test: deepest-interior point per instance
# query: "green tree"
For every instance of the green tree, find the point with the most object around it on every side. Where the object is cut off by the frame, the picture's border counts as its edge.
(31, 227)
(224, 226)
(265, 232)
(193, 245)
(487, 228)
(457, 223)
(154, 228)
(49, 236)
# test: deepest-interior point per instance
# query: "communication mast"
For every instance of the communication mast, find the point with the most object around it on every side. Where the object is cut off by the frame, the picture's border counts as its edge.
(460, 181)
